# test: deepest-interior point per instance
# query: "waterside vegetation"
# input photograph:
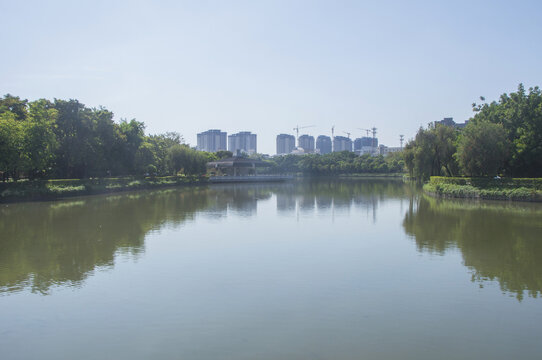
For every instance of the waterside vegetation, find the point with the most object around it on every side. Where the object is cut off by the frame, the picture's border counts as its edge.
(337, 163)
(502, 138)
(62, 188)
(64, 139)
(498, 153)
(486, 188)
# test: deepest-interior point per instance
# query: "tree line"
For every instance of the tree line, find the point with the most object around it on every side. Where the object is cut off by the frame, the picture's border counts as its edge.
(344, 162)
(504, 137)
(66, 139)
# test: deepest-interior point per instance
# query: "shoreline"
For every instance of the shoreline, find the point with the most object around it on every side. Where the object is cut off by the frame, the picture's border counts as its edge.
(524, 190)
(59, 189)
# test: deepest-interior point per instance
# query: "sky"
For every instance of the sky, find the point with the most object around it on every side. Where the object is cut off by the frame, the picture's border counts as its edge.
(269, 66)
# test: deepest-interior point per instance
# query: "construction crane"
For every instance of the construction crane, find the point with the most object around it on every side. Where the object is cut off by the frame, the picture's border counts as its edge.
(301, 127)
(374, 136)
(401, 139)
(367, 130)
(347, 133)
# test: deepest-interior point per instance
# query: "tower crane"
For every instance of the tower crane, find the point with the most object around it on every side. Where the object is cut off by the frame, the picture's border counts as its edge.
(301, 127)
(297, 131)
(347, 133)
(374, 136)
(401, 139)
(367, 130)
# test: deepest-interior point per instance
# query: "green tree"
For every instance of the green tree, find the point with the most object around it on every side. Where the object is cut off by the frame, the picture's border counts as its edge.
(160, 147)
(431, 153)
(39, 138)
(184, 160)
(15, 105)
(482, 149)
(223, 154)
(11, 144)
(520, 115)
(132, 137)
(74, 134)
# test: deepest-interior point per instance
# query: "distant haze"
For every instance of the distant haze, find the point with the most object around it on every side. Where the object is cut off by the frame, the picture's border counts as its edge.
(267, 66)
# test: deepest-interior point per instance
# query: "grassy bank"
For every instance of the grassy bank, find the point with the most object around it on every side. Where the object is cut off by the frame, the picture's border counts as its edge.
(61, 188)
(373, 175)
(485, 188)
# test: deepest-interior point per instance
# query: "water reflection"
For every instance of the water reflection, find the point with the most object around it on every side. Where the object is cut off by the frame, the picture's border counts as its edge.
(497, 241)
(339, 194)
(48, 244)
(61, 243)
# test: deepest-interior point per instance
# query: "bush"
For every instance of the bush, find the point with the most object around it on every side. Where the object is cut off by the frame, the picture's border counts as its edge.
(486, 188)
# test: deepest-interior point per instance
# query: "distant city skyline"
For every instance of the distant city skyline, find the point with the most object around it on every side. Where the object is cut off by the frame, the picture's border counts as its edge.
(270, 66)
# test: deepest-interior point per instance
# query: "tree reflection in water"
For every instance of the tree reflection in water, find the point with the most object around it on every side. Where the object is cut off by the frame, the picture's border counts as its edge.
(60, 243)
(498, 241)
(43, 245)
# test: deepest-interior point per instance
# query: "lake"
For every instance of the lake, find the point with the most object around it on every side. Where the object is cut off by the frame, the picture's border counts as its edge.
(312, 269)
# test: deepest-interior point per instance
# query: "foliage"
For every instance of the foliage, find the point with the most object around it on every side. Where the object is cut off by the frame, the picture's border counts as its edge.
(223, 154)
(482, 149)
(27, 140)
(11, 143)
(336, 163)
(431, 153)
(503, 137)
(40, 142)
(486, 188)
(52, 189)
(520, 115)
(66, 139)
(487, 182)
(185, 160)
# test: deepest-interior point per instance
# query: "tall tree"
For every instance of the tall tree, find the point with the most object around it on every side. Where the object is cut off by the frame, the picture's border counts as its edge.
(520, 115)
(15, 105)
(431, 152)
(185, 160)
(11, 144)
(132, 136)
(482, 149)
(39, 138)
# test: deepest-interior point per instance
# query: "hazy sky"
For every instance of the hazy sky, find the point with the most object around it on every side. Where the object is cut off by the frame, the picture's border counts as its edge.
(267, 66)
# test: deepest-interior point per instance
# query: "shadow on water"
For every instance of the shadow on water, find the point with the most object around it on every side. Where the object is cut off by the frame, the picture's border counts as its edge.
(498, 241)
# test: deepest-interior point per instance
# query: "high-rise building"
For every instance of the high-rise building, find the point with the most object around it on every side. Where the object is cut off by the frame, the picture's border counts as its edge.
(243, 141)
(285, 144)
(366, 145)
(342, 143)
(323, 144)
(212, 141)
(365, 141)
(306, 142)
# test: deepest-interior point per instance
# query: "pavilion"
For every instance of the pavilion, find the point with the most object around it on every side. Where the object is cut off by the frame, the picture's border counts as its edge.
(234, 166)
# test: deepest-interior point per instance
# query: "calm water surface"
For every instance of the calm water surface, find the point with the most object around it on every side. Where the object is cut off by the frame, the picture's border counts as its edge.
(328, 269)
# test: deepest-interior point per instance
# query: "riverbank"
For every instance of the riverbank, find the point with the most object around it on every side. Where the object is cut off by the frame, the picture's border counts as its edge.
(485, 188)
(373, 175)
(43, 190)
